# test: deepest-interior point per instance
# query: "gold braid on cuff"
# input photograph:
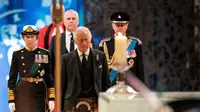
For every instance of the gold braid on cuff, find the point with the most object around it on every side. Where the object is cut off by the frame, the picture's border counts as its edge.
(10, 94)
(51, 92)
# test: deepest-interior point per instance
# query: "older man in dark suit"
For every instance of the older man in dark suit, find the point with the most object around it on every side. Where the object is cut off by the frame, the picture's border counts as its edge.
(71, 21)
(84, 74)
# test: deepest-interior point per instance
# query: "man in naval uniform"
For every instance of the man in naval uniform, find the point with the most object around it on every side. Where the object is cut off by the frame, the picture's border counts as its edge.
(30, 82)
(120, 21)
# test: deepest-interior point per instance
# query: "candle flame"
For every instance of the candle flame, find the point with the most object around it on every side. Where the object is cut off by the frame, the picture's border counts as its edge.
(119, 34)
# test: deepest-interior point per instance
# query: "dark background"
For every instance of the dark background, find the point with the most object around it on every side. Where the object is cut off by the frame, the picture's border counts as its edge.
(168, 30)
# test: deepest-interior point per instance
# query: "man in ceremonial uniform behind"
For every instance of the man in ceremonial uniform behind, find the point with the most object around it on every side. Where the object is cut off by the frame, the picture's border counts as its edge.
(120, 21)
(84, 74)
(35, 84)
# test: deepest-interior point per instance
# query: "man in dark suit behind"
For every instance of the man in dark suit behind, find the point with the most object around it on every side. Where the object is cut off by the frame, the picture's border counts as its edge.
(84, 74)
(71, 21)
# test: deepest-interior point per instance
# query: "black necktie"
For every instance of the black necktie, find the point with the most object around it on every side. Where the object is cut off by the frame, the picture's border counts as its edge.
(84, 60)
(71, 43)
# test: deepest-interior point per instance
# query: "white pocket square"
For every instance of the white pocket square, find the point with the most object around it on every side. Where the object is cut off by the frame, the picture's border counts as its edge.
(100, 66)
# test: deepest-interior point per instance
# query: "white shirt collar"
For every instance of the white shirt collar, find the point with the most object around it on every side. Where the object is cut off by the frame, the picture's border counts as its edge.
(86, 53)
(68, 40)
(68, 33)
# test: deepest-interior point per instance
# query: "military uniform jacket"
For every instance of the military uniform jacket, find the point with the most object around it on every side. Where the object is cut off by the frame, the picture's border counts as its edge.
(134, 56)
(30, 65)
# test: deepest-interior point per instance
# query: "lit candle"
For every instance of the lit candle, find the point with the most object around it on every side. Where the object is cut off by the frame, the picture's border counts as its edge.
(120, 50)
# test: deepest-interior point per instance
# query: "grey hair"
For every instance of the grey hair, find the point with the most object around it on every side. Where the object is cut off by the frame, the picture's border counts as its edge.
(82, 29)
(73, 12)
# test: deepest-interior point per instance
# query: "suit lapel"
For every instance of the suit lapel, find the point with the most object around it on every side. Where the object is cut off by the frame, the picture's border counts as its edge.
(95, 70)
(74, 62)
(63, 43)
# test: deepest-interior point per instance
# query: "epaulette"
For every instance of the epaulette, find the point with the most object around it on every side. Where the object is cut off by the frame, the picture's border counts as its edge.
(104, 40)
(139, 41)
(18, 49)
